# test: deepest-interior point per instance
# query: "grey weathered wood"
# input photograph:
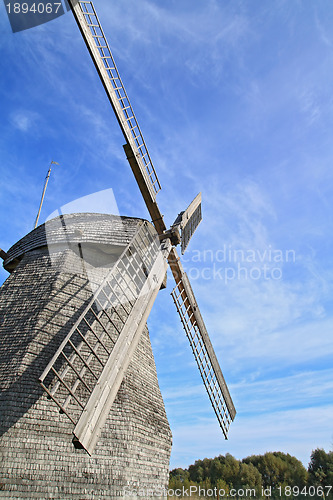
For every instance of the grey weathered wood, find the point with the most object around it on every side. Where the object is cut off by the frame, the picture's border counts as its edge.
(92, 32)
(156, 216)
(38, 304)
(184, 217)
(94, 415)
(3, 254)
(188, 221)
(197, 334)
(144, 251)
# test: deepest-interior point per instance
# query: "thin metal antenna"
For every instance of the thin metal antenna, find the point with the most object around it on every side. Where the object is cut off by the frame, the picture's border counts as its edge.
(44, 189)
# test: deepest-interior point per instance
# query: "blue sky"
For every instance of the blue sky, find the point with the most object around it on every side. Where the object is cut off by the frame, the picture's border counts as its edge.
(234, 99)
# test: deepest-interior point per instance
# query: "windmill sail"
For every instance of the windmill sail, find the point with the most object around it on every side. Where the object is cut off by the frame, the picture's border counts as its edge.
(201, 345)
(188, 221)
(84, 375)
(146, 177)
(136, 149)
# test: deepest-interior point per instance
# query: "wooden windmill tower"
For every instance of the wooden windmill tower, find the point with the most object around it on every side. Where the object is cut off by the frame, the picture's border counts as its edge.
(91, 353)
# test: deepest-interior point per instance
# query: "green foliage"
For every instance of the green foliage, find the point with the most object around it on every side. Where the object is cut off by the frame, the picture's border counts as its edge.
(249, 478)
(180, 474)
(295, 473)
(321, 468)
(178, 479)
(257, 472)
(279, 469)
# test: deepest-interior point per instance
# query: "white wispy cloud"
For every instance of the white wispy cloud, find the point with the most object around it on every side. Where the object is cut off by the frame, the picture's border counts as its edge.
(308, 388)
(25, 120)
(297, 432)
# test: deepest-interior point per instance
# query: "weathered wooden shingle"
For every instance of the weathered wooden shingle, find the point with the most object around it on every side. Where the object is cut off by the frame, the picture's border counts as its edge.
(38, 304)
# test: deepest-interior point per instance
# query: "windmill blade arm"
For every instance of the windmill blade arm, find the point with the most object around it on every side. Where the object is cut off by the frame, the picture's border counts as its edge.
(185, 216)
(92, 32)
(95, 413)
(155, 214)
(3, 254)
(188, 221)
(86, 371)
(201, 345)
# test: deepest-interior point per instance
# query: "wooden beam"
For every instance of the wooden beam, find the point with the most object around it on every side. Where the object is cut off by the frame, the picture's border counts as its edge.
(3, 254)
(95, 413)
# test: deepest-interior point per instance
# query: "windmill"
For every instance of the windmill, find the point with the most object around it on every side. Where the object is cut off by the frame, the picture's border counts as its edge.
(82, 381)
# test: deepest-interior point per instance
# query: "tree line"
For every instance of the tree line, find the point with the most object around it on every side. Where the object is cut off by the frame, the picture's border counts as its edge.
(273, 475)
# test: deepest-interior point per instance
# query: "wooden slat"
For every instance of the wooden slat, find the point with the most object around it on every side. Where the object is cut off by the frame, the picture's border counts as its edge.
(93, 417)
(89, 349)
(149, 182)
(208, 364)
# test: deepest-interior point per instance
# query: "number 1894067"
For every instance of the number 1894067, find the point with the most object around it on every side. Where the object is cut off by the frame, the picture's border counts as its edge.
(307, 491)
(35, 8)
